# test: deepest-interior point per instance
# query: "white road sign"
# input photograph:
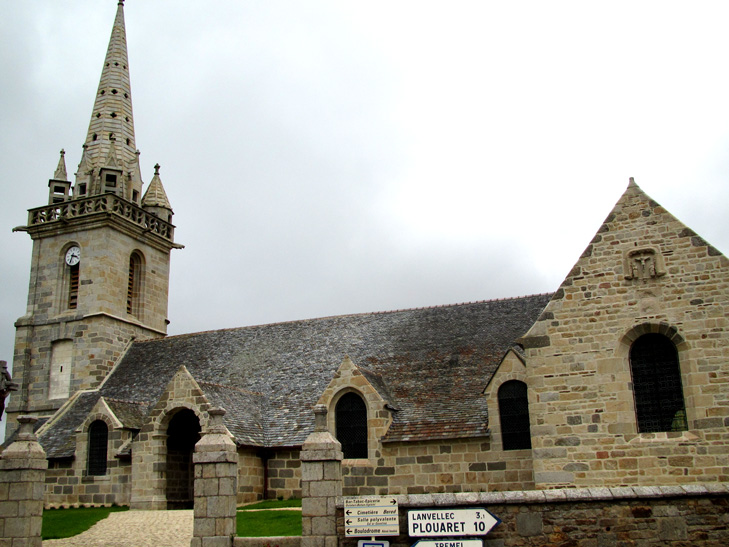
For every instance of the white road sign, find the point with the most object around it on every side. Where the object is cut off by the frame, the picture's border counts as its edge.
(450, 522)
(371, 516)
(449, 543)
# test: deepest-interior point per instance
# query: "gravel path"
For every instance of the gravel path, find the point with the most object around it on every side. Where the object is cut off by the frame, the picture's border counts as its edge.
(134, 529)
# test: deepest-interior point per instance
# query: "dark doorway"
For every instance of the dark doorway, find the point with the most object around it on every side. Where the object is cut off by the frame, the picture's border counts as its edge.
(182, 434)
(351, 423)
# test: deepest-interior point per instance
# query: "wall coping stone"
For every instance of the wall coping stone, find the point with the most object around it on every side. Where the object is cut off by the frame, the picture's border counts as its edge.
(563, 495)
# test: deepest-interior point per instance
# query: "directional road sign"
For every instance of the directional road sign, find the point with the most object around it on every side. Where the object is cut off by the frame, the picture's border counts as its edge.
(448, 543)
(371, 516)
(450, 522)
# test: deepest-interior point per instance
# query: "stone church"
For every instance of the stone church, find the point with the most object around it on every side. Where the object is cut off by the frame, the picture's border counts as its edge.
(618, 378)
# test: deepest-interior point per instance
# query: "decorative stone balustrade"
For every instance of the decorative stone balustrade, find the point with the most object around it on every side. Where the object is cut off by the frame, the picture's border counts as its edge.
(104, 203)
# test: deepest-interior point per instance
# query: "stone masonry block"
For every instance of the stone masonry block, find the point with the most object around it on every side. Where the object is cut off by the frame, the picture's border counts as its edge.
(225, 526)
(312, 471)
(323, 526)
(325, 488)
(9, 509)
(204, 527)
(529, 524)
(332, 471)
(217, 542)
(314, 507)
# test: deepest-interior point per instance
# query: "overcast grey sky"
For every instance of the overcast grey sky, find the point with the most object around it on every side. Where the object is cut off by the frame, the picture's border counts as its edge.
(331, 157)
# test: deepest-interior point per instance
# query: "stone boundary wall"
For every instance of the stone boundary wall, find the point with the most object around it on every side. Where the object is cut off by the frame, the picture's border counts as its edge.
(585, 517)
(272, 541)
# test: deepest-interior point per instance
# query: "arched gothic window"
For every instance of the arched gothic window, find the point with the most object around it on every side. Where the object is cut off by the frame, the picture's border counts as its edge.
(514, 415)
(134, 285)
(351, 425)
(97, 449)
(657, 389)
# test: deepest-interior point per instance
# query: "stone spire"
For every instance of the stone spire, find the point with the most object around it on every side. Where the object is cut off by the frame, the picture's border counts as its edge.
(111, 130)
(60, 173)
(59, 188)
(155, 198)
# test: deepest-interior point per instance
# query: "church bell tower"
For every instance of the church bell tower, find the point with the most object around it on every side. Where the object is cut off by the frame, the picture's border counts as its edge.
(99, 273)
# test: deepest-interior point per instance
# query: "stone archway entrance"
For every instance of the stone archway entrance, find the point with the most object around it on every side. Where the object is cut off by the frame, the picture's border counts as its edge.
(182, 434)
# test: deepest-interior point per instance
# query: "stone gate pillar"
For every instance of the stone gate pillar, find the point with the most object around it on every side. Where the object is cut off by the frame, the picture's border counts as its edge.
(22, 486)
(216, 485)
(321, 484)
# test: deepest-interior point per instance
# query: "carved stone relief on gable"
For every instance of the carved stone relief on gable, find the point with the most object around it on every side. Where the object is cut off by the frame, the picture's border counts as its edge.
(644, 263)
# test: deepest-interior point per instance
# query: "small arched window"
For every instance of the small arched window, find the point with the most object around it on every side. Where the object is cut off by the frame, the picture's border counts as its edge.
(134, 284)
(351, 425)
(97, 450)
(514, 415)
(657, 389)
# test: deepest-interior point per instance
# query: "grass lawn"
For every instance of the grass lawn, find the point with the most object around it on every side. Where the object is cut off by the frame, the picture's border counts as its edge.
(272, 504)
(257, 523)
(64, 523)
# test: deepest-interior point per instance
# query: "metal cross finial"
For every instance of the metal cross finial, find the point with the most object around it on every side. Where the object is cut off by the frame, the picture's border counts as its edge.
(156, 169)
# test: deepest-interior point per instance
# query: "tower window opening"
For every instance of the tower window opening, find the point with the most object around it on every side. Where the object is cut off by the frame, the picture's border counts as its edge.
(82, 189)
(134, 284)
(98, 114)
(135, 196)
(59, 194)
(110, 180)
(94, 137)
(73, 287)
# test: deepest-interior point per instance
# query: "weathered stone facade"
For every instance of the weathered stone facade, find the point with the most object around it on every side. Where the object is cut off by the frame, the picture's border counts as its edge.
(284, 474)
(584, 419)
(68, 482)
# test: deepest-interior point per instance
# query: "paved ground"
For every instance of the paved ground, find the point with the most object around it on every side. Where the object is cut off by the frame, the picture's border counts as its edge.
(134, 529)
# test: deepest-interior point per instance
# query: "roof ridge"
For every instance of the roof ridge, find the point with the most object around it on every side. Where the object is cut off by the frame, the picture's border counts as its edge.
(361, 314)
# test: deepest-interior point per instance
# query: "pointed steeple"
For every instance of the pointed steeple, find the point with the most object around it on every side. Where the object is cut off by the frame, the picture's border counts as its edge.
(60, 173)
(59, 188)
(111, 130)
(155, 198)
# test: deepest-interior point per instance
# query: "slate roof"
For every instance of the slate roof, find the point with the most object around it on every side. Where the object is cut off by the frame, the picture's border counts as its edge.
(430, 364)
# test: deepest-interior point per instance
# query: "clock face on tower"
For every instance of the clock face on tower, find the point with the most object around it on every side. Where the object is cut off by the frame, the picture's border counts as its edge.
(73, 255)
